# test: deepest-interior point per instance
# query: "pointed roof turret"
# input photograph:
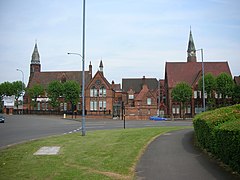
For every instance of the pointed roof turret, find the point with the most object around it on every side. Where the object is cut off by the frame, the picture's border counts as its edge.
(35, 55)
(101, 66)
(191, 46)
(191, 49)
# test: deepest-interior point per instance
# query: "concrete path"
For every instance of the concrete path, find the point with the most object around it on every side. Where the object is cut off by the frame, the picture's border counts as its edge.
(172, 156)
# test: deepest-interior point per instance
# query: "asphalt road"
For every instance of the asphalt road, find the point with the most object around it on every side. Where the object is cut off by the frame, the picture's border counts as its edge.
(172, 156)
(21, 128)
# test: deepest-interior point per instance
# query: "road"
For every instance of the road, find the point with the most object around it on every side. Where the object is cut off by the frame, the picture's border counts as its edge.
(20, 128)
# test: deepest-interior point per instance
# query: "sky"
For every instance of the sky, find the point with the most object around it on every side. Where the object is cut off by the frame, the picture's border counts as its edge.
(133, 38)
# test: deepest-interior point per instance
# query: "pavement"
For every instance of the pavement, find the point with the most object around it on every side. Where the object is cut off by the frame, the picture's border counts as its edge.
(173, 156)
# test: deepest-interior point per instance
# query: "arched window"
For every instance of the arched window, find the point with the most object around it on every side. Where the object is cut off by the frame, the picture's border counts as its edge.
(93, 92)
(102, 92)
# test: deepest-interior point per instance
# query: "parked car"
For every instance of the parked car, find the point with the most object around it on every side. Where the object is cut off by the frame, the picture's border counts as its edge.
(2, 119)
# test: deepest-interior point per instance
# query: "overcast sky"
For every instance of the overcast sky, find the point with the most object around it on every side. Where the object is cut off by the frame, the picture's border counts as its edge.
(134, 38)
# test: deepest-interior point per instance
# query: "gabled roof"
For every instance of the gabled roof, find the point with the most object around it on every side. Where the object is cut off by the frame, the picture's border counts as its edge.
(100, 74)
(136, 84)
(144, 92)
(44, 78)
(188, 72)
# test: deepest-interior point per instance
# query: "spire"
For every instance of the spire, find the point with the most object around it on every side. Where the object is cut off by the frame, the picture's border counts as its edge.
(35, 55)
(191, 49)
(101, 66)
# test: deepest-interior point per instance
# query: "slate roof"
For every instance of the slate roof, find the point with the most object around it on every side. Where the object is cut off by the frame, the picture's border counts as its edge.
(188, 72)
(44, 78)
(136, 84)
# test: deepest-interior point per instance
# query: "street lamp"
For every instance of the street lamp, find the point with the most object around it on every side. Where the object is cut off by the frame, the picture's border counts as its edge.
(83, 97)
(203, 83)
(83, 72)
(22, 85)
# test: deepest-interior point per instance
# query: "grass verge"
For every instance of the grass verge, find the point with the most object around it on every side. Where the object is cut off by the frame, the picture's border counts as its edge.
(110, 154)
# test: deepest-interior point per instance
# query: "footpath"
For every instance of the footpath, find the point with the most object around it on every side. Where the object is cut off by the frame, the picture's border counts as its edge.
(172, 156)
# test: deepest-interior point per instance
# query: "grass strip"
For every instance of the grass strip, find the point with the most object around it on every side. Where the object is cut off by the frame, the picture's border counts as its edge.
(108, 154)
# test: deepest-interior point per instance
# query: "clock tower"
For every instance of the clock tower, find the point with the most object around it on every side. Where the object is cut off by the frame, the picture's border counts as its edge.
(191, 50)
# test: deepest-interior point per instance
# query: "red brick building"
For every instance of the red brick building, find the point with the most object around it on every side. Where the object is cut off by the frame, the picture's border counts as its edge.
(101, 97)
(141, 97)
(189, 72)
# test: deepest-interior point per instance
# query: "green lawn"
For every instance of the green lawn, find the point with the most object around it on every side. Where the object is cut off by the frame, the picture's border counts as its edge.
(109, 154)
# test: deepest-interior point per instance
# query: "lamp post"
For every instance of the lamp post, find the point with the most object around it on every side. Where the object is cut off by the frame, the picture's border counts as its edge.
(83, 97)
(203, 83)
(83, 72)
(22, 85)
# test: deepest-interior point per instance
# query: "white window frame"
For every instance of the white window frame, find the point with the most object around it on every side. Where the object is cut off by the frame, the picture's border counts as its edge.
(104, 105)
(149, 101)
(130, 96)
(100, 105)
(195, 94)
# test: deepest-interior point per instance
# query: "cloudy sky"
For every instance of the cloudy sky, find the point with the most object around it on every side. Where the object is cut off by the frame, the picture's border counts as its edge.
(134, 38)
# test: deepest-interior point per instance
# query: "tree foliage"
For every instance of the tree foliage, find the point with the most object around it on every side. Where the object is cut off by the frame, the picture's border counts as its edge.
(236, 94)
(71, 91)
(18, 88)
(34, 92)
(7, 89)
(209, 84)
(182, 93)
(15, 88)
(55, 90)
(224, 85)
(210, 88)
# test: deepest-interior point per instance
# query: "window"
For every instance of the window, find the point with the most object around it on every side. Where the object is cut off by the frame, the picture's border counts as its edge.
(199, 94)
(100, 105)
(38, 107)
(104, 105)
(149, 101)
(102, 92)
(93, 105)
(65, 106)
(176, 109)
(93, 92)
(130, 96)
(188, 109)
(195, 94)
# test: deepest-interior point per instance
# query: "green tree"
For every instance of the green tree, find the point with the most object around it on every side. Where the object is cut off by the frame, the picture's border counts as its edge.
(236, 94)
(182, 93)
(71, 91)
(210, 87)
(224, 86)
(55, 90)
(34, 92)
(7, 89)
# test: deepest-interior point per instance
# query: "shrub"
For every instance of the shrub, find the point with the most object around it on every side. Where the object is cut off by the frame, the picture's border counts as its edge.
(218, 131)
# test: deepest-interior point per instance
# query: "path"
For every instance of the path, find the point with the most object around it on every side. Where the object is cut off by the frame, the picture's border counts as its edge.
(172, 156)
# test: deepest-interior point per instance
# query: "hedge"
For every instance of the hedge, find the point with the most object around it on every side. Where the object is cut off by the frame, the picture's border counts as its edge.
(218, 131)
